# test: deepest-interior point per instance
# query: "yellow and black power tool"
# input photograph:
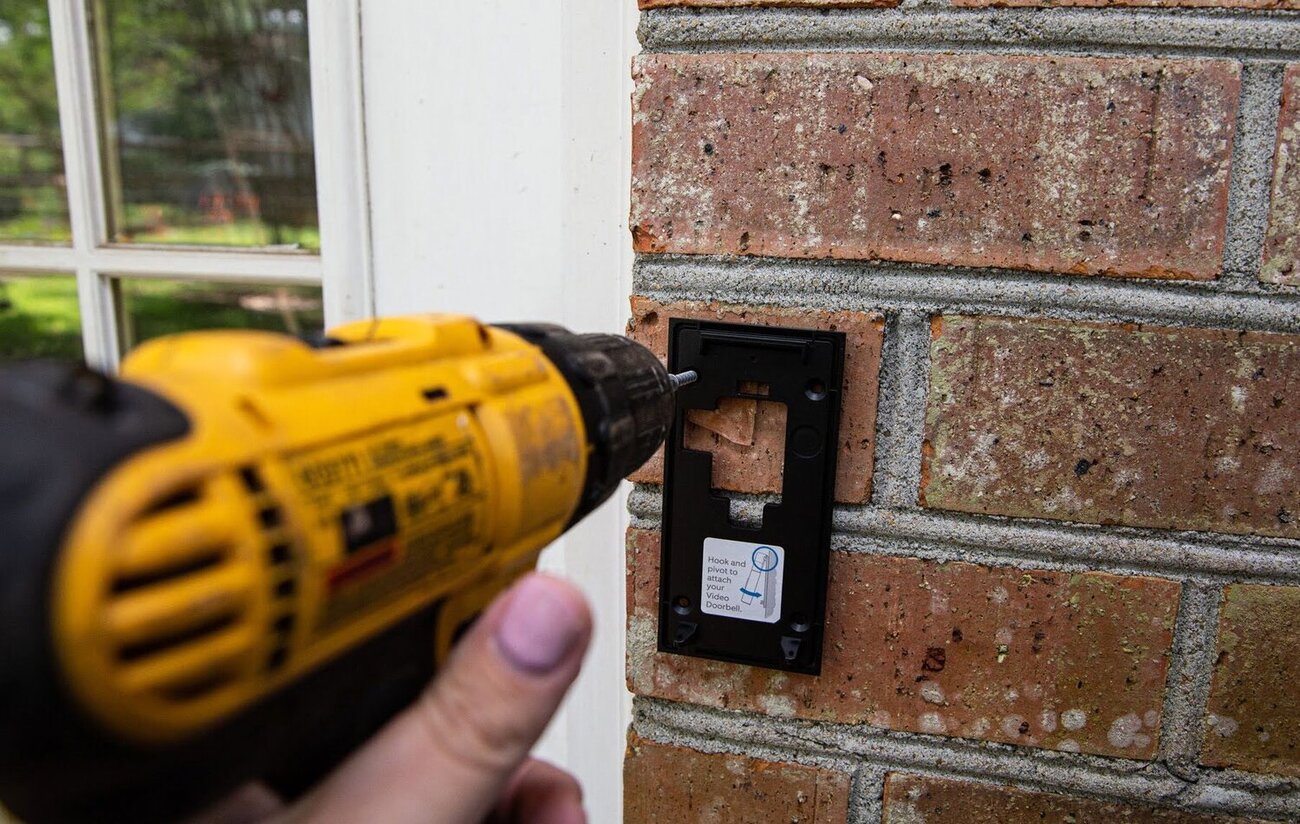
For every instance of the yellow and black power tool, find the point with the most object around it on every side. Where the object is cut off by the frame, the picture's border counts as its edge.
(241, 558)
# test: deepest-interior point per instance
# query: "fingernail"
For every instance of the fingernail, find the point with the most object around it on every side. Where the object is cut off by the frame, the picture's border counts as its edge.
(540, 626)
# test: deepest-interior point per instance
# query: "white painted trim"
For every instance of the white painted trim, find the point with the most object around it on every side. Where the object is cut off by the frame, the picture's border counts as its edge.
(498, 148)
(595, 82)
(180, 263)
(74, 81)
(38, 259)
(342, 180)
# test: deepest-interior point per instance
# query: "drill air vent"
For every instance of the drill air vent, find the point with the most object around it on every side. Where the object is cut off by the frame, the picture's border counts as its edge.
(179, 612)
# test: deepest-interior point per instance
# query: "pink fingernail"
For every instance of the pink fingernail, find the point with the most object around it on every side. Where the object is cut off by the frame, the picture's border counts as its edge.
(540, 626)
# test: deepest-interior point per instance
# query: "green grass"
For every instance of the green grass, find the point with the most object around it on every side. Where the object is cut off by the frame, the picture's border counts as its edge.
(165, 307)
(175, 228)
(168, 225)
(42, 320)
(32, 227)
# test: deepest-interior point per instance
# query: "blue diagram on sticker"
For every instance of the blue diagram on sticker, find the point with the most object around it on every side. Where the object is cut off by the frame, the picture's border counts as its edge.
(758, 585)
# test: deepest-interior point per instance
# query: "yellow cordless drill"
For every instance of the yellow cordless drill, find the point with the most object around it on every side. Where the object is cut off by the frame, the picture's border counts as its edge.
(241, 558)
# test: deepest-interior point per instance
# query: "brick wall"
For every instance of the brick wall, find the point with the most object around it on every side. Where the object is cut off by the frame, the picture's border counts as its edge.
(1065, 578)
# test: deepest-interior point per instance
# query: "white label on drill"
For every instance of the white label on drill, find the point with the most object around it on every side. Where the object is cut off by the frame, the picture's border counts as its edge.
(742, 580)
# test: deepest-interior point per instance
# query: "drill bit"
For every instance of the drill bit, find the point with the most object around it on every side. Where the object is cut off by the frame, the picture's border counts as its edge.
(681, 379)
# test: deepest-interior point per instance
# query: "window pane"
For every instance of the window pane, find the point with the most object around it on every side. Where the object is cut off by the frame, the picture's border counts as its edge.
(207, 117)
(33, 201)
(39, 317)
(162, 307)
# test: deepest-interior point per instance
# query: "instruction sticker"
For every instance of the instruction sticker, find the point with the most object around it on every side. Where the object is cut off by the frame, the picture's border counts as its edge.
(742, 580)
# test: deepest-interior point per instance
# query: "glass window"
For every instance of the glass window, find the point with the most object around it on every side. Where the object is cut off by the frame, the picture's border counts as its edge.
(39, 317)
(33, 201)
(207, 123)
(152, 307)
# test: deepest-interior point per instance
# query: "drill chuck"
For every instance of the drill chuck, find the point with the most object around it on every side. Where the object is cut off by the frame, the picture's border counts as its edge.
(626, 398)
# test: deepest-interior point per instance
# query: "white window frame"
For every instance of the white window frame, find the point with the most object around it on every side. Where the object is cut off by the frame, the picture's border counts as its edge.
(342, 268)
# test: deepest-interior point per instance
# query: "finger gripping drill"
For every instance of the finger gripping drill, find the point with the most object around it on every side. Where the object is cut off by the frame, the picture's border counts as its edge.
(245, 555)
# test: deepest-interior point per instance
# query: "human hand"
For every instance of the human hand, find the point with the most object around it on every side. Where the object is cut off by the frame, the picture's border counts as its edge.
(459, 755)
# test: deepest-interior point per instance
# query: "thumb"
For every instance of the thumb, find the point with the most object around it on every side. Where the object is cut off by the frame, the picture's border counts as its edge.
(449, 757)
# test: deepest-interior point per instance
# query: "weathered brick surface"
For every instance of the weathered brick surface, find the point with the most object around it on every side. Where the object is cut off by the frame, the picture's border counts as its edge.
(748, 440)
(663, 783)
(1282, 244)
(1059, 164)
(838, 4)
(913, 799)
(1254, 720)
(1072, 662)
(1107, 424)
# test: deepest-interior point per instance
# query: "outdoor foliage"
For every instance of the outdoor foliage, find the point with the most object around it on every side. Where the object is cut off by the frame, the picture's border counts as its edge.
(39, 317)
(205, 108)
(33, 204)
(212, 108)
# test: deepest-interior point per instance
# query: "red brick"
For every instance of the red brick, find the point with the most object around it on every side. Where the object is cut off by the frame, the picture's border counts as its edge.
(1282, 244)
(1107, 424)
(1254, 721)
(1059, 164)
(666, 783)
(747, 439)
(914, 799)
(1067, 661)
(839, 4)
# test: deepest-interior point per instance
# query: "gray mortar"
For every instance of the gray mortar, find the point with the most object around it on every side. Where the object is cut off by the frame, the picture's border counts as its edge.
(1250, 185)
(868, 788)
(650, 721)
(1187, 686)
(746, 510)
(824, 744)
(900, 410)
(1244, 34)
(945, 536)
(896, 287)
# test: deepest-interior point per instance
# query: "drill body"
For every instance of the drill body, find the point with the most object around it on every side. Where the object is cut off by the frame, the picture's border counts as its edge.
(244, 557)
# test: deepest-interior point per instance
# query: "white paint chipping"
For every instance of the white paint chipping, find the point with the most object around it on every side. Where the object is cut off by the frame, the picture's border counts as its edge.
(1011, 725)
(1047, 720)
(1126, 731)
(1222, 725)
(932, 693)
(782, 706)
(932, 722)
